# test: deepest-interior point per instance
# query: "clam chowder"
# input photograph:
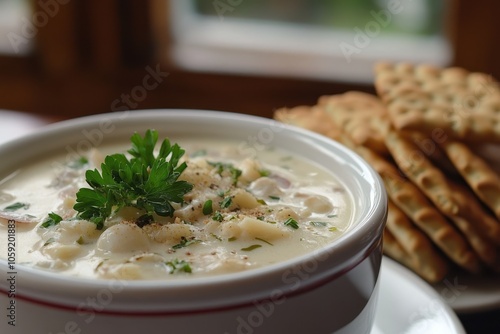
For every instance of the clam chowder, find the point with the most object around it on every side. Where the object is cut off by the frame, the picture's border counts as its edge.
(235, 212)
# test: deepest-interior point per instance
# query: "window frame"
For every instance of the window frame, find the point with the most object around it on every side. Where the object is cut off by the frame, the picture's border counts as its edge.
(213, 43)
(102, 46)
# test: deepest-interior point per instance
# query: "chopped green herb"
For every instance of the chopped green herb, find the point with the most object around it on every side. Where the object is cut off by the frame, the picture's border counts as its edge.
(271, 222)
(226, 202)
(52, 220)
(333, 229)
(146, 182)
(276, 198)
(80, 241)
(292, 223)
(232, 239)
(264, 172)
(319, 224)
(251, 248)
(144, 220)
(179, 266)
(261, 201)
(16, 206)
(184, 243)
(78, 163)
(216, 236)
(235, 174)
(218, 217)
(207, 207)
(221, 167)
(332, 216)
(199, 153)
(49, 241)
(261, 218)
(265, 241)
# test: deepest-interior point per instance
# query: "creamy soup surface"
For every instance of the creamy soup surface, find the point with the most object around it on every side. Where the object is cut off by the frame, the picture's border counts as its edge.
(274, 207)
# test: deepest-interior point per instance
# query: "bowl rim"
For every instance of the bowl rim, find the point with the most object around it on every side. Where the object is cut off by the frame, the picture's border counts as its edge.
(370, 227)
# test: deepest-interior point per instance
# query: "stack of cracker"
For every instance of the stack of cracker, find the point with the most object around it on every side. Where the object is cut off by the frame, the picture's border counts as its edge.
(420, 133)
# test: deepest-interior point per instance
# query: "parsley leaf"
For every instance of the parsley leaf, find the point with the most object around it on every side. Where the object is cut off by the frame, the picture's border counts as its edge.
(179, 266)
(264, 172)
(16, 206)
(290, 222)
(146, 182)
(78, 163)
(226, 202)
(52, 220)
(263, 240)
(218, 216)
(184, 242)
(221, 167)
(251, 248)
(319, 224)
(207, 207)
(199, 153)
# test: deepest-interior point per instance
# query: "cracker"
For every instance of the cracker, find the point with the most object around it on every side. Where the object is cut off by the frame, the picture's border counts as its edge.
(469, 225)
(428, 263)
(393, 249)
(465, 105)
(430, 179)
(431, 148)
(423, 213)
(457, 203)
(440, 190)
(312, 118)
(482, 179)
(489, 153)
(357, 113)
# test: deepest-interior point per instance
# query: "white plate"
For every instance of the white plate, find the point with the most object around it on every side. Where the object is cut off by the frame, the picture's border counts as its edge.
(409, 305)
(470, 294)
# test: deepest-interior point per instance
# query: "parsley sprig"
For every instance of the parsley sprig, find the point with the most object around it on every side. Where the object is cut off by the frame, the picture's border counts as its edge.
(146, 182)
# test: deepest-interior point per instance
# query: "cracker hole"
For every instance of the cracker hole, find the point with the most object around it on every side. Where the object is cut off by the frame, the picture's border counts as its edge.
(428, 182)
(444, 98)
(393, 81)
(400, 109)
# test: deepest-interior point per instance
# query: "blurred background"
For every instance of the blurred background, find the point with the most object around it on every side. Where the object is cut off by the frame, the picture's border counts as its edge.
(62, 58)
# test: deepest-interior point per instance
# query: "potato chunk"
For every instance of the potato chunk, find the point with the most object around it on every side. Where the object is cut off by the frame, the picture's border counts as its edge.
(256, 228)
(123, 238)
(244, 200)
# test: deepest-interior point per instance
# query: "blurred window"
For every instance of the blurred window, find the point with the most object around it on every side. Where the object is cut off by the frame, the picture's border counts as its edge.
(320, 39)
(17, 27)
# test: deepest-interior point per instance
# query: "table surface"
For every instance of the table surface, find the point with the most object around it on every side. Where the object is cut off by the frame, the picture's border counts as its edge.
(16, 124)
